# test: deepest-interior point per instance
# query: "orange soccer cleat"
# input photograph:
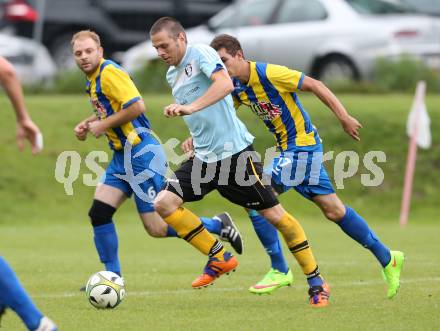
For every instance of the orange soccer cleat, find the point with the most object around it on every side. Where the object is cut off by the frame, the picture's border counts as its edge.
(214, 269)
(319, 295)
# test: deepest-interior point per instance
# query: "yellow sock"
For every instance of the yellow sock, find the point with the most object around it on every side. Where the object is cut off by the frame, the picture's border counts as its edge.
(296, 240)
(189, 227)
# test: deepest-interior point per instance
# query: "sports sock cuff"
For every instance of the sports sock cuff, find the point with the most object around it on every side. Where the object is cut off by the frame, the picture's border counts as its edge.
(175, 217)
(106, 228)
(171, 232)
(348, 215)
(253, 213)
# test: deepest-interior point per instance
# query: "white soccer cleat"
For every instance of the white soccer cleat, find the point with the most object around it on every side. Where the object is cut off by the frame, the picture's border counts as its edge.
(46, 324)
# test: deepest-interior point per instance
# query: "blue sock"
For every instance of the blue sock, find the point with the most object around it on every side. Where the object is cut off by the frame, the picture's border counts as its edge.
(268, 236)
(106, 242)
(212, 225)
(315, 281)
(13, 295)
(171, 232)
(355, 226)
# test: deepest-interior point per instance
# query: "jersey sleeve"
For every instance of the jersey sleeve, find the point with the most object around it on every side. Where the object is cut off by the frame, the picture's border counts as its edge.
(118, 86)
(208, 60)
(284, 79)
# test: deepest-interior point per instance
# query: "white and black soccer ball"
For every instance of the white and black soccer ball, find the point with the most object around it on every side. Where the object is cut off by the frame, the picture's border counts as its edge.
(105, 290)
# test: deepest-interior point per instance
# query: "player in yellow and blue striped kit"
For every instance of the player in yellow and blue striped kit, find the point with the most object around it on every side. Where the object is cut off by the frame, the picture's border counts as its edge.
(271, 92)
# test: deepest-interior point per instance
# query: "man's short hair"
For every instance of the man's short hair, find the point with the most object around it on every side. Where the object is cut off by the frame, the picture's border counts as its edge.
(173, 26)
(86, 34)
(228, 42)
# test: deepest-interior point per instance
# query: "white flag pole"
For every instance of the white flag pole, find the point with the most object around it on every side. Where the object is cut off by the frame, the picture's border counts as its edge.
(412, 153)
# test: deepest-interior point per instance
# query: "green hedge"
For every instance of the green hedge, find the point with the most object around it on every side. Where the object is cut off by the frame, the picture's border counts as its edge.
(399, 75)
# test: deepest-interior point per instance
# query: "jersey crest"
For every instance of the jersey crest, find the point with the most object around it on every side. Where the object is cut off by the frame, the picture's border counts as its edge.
(267, 111)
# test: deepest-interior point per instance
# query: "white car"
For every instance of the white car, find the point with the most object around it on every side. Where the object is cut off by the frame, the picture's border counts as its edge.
(329, 39)
(30, 59)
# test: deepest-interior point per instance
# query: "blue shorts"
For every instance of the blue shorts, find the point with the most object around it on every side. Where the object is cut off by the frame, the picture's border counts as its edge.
(141, 170)
(300, 168)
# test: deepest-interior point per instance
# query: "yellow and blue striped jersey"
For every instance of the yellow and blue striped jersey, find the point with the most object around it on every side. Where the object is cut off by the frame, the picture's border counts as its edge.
(111, 90)
(271, 94)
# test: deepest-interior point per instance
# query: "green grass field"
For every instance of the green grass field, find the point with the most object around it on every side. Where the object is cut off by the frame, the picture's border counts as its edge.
(46, 237)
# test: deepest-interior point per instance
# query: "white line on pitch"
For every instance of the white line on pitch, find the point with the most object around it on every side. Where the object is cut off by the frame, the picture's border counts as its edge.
(236, 289)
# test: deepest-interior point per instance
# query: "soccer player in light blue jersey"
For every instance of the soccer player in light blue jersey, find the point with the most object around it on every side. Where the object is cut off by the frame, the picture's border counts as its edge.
(224, 158)
(12, 293)
(271, 92)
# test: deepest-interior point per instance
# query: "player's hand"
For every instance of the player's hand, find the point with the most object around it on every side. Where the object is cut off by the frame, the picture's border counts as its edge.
(188, 147)
(351, 126)
(26, 129)
(175, 109)
(81, 130)
(97, 128)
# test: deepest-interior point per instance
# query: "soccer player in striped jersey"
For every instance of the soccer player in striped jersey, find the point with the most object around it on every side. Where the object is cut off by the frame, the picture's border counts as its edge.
(270, 91)
(12, 293)
(119, 115)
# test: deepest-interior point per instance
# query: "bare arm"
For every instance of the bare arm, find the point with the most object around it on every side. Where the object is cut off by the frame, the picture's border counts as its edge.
(97, 128)
(26, 128)
(349, 123)
(221, 86)
(13, 89)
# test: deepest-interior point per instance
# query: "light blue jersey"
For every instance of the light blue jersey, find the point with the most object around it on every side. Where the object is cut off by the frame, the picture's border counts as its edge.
(216, 130)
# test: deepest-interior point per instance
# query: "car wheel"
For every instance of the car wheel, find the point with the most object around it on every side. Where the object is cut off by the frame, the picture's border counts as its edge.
(61, 51)
(337, 68)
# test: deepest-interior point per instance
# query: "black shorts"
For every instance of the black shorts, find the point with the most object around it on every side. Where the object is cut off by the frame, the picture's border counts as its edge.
(237, 178)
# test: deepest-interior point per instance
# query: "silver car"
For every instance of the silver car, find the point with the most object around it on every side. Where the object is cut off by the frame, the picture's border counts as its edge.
(31, 59)
(328, 39)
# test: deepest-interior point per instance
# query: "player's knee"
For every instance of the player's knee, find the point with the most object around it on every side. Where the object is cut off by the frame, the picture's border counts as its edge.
(274, 214)
(160, 206)
(164, 205)
(334, 214)
(101, 213)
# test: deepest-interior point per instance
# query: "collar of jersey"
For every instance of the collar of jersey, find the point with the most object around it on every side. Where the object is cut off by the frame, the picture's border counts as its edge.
(96, 72)
(252, 73)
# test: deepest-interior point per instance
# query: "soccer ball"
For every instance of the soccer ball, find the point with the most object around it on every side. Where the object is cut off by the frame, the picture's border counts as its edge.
(105, 289)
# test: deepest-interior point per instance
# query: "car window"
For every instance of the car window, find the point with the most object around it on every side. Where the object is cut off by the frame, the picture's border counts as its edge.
(376, 7)
(424, 6)
(245, 13)
(301, 11)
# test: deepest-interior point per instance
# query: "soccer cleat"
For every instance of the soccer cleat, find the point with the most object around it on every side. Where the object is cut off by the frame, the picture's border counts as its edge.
(392, 272)
(229, 232)
(272, 281)
(214, 269)
(46, 325)
(319, 295)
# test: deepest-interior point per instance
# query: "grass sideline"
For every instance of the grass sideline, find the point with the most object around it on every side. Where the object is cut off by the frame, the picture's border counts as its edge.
(45, 235)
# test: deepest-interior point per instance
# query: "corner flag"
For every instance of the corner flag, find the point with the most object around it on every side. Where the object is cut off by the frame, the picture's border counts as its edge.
(418, 122)
(418, 129)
